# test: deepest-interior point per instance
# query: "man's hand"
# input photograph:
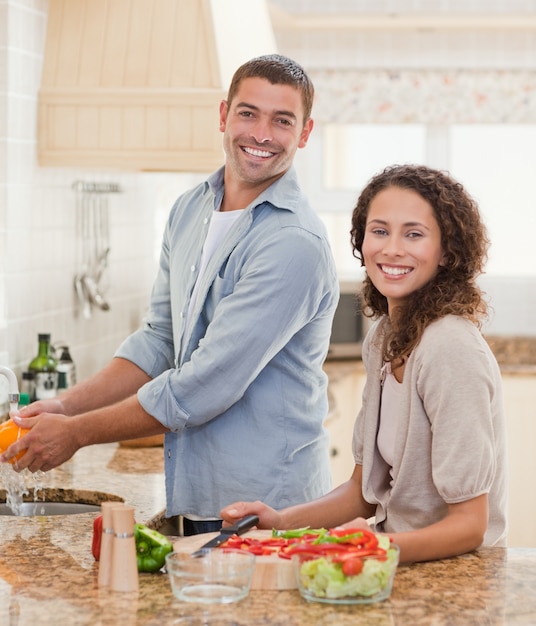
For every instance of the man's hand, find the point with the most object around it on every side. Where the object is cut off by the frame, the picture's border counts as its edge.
(52, 405)
(50, 442)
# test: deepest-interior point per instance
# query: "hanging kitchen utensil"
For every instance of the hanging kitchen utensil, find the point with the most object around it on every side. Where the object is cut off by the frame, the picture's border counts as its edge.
(82, 229)
(104, 239)
(92, 278)
(93, 248)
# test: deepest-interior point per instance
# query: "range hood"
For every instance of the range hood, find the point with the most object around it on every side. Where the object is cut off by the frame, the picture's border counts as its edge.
(136, 84)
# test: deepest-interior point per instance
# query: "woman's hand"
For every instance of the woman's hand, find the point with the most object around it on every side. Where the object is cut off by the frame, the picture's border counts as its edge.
(268, 518)
(358, 522)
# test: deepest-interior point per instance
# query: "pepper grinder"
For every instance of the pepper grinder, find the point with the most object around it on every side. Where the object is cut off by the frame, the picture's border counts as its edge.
(105, 561)
(124, 570)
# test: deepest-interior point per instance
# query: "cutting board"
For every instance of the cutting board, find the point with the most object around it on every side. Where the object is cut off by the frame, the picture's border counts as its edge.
(271, 572)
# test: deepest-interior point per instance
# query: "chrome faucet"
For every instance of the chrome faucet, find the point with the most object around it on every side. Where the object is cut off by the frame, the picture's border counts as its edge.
(14, 395)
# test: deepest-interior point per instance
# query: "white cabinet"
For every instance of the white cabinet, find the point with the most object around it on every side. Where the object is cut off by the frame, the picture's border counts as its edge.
(520, 406)
(346, 381)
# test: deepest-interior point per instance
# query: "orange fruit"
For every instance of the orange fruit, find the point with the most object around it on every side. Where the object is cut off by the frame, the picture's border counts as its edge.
(9, 433)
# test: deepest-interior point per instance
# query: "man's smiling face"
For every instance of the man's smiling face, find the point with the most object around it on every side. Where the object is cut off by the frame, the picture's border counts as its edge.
(262, 129)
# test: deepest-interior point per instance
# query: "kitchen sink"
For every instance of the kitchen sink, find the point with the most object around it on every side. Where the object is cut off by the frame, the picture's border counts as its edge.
(51, 508)
(58, 502)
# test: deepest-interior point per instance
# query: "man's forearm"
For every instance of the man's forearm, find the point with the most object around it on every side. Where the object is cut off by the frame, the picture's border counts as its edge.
(120, 379)
(124, 420)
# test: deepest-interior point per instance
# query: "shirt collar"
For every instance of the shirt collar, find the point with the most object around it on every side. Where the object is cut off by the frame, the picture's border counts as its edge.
(284, 193)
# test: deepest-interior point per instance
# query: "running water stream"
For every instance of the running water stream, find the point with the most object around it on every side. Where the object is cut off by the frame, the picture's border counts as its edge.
(19, 484)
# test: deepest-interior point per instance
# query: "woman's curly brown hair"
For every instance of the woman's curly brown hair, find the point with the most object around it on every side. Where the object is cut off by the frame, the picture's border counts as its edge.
(464, 242)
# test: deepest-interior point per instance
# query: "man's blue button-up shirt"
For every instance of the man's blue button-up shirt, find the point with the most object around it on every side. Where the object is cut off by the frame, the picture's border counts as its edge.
(242, 388)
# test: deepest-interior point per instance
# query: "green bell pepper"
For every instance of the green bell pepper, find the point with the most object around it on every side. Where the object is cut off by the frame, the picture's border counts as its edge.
(151, 548)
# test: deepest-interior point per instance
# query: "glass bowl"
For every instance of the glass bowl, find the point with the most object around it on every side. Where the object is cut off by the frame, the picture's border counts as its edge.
(218, 577)
(322, 579)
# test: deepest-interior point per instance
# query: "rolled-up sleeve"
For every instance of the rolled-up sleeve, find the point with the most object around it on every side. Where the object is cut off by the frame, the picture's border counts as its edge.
(259, 303)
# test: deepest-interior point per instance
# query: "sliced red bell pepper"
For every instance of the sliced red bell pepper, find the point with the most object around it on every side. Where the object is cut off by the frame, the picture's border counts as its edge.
(97, 536)
(257, 550)
(345, 545)
(319, 549)
(275, 541)
(355, 536)
(350, 554)
(259, 547)
(234, 541)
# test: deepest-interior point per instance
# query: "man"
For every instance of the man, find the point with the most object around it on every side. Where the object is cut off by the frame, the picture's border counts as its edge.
(229, 361)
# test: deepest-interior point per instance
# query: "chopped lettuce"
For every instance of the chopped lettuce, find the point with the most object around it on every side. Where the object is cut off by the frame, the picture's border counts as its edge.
(326, 579)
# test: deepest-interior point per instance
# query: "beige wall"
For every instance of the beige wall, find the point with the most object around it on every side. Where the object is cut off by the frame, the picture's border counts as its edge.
(37, 222)
(37, 217)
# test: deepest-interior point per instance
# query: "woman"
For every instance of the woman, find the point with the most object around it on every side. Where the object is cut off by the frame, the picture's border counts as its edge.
(429, 441)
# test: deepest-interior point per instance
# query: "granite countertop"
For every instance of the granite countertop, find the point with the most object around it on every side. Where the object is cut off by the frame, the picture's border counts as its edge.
(515, 355)
(48, 575)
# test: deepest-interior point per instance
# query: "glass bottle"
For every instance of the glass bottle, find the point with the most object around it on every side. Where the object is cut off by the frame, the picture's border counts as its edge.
(44, 368)
(65, 368)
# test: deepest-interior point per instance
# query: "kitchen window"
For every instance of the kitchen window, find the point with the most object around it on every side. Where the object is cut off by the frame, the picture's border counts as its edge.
(495, 162)
(355, 152)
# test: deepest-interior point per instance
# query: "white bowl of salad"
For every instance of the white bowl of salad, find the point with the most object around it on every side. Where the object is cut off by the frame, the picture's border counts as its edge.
(345, 566)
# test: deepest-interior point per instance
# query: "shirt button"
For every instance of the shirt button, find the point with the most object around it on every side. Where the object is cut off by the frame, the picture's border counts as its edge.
(193, 268)
(205, 221)
(169, 454)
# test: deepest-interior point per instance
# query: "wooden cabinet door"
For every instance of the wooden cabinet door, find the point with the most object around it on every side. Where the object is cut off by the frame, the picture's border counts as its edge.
(346, 381)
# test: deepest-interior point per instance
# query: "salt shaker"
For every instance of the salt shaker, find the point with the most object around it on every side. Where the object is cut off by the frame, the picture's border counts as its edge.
(124, 570)
(105, 561)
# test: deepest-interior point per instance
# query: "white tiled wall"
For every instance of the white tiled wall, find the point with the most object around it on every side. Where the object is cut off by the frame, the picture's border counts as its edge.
(38, 248)
(37, 217)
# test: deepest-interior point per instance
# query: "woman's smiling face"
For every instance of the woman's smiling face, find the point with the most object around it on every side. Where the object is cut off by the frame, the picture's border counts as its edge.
(402, 245)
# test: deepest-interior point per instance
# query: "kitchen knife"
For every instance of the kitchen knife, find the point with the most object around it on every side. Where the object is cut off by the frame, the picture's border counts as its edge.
(238, 528)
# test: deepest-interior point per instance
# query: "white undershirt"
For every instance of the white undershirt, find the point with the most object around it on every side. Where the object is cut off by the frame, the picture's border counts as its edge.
(390, 405)
(219, 226)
